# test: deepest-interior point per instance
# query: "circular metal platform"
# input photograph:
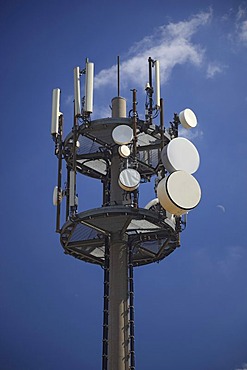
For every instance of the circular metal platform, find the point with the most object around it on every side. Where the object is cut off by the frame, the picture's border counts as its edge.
(93, 156)
(152, 236)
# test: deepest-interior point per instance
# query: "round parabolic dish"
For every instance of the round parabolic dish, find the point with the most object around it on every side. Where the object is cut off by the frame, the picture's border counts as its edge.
(124, 151)
(129, 179)
(179, 192)
(180, 155)
(188, 118)
(122, 134)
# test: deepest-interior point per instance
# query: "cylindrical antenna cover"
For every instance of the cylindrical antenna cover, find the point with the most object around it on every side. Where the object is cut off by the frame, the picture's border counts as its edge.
(179, 192)
(157, 83)
(55, 111)
(77, 90)
(180, 154)
(118, 107)
(88, 106)
(188, 118)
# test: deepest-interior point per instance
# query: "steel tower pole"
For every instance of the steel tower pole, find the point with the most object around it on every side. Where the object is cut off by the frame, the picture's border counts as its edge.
(118, 273)
(118, 306)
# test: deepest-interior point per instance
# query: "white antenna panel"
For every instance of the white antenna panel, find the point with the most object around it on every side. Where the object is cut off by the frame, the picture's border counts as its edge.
(72, 188)
(88, 106)
(55, 111)
(77, 91)
(157, 83)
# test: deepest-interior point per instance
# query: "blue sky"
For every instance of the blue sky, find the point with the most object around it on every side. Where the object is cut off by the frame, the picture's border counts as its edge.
(190, 308)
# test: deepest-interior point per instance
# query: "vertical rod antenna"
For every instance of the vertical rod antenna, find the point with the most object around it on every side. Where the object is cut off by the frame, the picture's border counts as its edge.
(150, 62)
(67, 192)
(162, 126)
(59, 174)
(73, 171)
(118, 76)
(135, 141)
(134, 124)
(157, 83)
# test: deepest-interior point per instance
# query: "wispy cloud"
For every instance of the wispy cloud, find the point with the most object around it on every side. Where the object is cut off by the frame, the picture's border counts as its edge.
(227, 15)
(242, 32)
(191, 134)
(241, 24)
(69, 100)
(229, 263)
(241, 13)
(214, 68)
(171, 44)
(244, 367)
(236, 18)
(102, 112)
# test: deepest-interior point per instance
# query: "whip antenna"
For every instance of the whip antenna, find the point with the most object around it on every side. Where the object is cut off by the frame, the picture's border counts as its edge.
(118, 76)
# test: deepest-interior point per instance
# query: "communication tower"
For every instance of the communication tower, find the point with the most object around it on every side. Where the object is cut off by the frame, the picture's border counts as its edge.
(122, 152)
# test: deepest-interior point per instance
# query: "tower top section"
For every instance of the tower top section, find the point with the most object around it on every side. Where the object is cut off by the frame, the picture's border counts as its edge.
(124, 152)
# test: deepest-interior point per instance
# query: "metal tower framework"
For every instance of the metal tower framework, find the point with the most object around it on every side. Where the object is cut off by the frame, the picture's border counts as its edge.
(119, 235)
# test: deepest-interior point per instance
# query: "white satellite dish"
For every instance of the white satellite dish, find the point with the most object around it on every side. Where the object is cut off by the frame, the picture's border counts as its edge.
(124, 151)
(180, 154)
(179, 192)
(122, 134)
(188, 118)
(129, 179)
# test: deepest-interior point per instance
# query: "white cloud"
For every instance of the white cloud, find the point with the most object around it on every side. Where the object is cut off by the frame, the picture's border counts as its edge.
(171, 44)
(192, 134)
(69, 100)
(241, 13)
(229, 263)
(214, 68)
(244, 367)
(241, 25)
(237, 18)
(242, 34)
(227, 15)
(101, 112)
(226, 265)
